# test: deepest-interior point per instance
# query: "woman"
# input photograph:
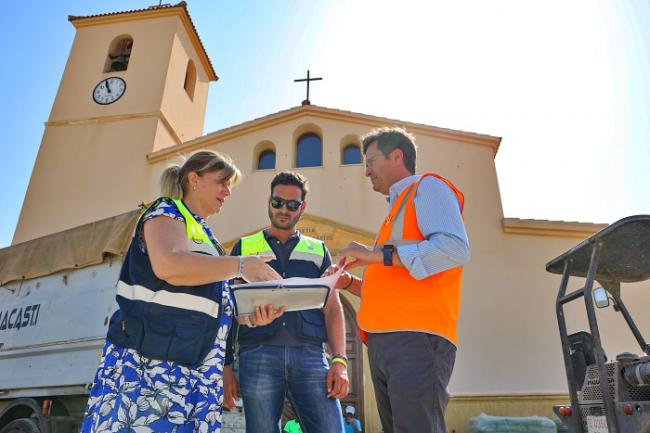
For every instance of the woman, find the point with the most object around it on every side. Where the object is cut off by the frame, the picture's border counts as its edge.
(162, 365)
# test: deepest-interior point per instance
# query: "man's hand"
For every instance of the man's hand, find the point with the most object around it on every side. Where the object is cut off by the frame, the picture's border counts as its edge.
(264, 315)
(230, 388)
(338, 383)
(344, 280)
(360, 255)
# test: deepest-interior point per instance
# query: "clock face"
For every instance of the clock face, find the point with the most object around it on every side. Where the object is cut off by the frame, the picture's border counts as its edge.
(109, 90)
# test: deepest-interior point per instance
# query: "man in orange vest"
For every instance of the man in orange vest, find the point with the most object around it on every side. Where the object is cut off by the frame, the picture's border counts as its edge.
(410, 292)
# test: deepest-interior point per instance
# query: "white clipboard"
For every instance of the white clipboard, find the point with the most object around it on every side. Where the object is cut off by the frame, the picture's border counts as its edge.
(295, 294)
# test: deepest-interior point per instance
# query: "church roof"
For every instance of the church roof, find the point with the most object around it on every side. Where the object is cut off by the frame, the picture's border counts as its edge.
(158, 11)
(327, 113)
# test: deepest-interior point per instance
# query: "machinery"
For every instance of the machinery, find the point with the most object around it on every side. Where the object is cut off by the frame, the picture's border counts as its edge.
(606, 396)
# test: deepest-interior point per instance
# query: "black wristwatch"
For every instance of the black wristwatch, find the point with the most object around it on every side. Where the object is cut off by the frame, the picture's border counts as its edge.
(388, 249)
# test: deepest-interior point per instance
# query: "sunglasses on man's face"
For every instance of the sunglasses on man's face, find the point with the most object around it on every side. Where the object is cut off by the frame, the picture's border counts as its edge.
(292, 205)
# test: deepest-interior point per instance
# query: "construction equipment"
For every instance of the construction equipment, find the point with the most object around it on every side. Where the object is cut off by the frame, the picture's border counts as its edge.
(614, 396)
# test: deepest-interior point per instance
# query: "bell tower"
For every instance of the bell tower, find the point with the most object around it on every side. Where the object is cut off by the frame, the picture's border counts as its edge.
(135, 82)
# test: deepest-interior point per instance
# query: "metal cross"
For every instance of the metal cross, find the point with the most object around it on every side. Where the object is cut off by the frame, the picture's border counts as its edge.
(306, 101)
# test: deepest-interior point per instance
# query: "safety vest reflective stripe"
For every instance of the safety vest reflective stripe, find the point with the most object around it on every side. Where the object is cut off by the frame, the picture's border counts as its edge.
(308, 257)
(396, 214)
(391, 299)
(307, 249)
(201, 247)
(170, 299)
(255, 244)
(193, 229)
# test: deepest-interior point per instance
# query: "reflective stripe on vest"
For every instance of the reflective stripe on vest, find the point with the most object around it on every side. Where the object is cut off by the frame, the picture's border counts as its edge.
(391, 299)
(197, 241)
(169, 299)
(308, 249)
(255, 244)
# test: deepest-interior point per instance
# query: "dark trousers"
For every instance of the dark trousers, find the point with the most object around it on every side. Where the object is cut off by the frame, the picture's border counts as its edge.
(410, 372)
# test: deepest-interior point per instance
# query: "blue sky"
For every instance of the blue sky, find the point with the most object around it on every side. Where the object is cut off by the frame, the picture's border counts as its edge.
(564, 83)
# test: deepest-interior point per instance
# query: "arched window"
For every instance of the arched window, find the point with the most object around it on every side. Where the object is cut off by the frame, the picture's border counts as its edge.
(309, 151)
(266, 160)
(190, 79)
(351, 154)
(119, 54)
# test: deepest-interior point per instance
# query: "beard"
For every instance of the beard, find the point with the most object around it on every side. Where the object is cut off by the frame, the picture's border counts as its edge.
(291, 222)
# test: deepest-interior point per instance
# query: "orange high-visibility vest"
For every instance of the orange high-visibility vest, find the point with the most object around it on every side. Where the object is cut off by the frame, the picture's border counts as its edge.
(391, 299)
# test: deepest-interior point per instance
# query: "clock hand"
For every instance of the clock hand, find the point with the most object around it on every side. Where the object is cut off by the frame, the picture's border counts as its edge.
(107, 87)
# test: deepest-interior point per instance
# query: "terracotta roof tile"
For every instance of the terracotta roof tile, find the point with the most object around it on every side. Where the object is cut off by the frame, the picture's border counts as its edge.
(164, 6)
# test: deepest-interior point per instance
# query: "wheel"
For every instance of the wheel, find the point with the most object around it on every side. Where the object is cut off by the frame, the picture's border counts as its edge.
(22, 425)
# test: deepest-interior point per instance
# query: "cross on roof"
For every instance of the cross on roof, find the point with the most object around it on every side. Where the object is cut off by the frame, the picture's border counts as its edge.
(306, 101)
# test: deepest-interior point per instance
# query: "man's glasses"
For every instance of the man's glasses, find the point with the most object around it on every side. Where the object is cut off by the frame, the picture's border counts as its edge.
(292, 205)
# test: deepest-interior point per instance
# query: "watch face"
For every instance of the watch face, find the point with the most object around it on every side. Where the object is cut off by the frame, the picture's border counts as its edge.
(109, 90)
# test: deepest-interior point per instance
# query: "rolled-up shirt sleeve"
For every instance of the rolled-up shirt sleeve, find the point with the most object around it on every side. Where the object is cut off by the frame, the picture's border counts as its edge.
(440, 221)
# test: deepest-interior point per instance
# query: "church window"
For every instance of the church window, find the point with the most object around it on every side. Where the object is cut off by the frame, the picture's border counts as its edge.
(266, 160)
(119, 54)
(351, 154)
(190, 79)
(309, 151)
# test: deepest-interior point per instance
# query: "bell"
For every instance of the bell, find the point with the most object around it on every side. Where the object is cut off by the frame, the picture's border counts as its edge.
(119, 64)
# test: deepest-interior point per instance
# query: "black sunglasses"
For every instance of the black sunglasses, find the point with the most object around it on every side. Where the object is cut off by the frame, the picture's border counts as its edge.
(292, 205)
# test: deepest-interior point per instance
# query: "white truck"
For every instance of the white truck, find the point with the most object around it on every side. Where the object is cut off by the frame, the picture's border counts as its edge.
(57, 294)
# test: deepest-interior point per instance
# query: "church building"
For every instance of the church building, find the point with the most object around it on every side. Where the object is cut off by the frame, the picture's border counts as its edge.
(132, 99)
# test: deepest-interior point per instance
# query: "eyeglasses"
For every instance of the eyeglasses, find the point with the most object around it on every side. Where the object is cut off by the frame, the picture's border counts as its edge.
(292, 205)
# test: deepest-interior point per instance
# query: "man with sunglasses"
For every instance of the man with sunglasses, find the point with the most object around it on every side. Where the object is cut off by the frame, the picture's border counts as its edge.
(286, 358)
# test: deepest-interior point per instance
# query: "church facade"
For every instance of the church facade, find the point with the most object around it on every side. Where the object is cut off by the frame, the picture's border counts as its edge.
(100, 157)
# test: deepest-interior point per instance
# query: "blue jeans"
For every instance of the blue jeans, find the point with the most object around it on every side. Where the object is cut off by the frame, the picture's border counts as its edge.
(269, 373)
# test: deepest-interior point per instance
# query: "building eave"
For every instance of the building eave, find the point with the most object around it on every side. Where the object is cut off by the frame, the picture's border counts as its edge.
(566, 229)
(270, 120)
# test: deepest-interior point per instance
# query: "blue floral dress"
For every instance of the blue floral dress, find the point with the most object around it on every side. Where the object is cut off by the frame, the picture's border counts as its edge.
(132, 393)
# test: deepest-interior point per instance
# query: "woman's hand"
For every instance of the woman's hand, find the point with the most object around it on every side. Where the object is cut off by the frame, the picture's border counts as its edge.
(256, 269)
(264, 315)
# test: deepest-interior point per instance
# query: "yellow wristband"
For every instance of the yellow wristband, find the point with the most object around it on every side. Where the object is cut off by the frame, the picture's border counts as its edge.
(340, 361)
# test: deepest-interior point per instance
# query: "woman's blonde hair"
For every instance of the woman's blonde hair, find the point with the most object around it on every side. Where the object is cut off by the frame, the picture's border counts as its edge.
(173, 181)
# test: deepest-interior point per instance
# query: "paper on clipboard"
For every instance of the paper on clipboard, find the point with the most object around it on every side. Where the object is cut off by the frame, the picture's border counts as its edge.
(294, 294)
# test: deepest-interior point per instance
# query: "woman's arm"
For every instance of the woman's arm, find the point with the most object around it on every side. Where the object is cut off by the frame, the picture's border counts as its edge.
(171, 261)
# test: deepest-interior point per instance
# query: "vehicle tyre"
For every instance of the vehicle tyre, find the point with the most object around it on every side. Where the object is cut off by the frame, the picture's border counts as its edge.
(22, 425)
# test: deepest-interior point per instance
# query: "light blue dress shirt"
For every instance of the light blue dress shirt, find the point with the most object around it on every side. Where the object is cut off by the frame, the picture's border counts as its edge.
(445, 243)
